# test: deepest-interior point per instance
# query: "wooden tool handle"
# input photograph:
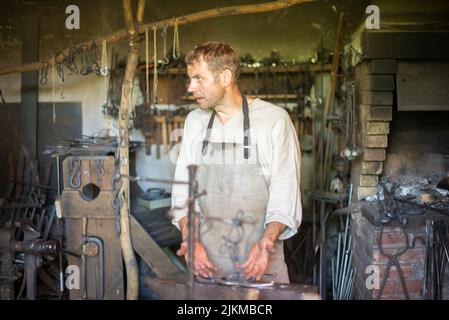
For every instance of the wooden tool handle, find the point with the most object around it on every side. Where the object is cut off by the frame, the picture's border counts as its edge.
(164, 135)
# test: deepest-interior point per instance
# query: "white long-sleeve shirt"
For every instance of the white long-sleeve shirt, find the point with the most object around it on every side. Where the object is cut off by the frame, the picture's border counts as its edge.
(278, 153)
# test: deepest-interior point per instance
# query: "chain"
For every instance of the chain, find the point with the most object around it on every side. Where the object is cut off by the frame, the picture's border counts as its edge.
(89, 60)
(89, 57)
(70, 60)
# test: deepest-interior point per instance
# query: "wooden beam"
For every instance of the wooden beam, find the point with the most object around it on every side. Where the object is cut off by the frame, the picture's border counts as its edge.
(194, 17)
(152, 254)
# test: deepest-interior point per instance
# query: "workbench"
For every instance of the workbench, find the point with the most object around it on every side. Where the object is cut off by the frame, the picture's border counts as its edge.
(176, 290)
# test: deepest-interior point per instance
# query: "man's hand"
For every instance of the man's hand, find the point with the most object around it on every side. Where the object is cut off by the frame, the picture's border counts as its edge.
(257, 262)
(201, 262)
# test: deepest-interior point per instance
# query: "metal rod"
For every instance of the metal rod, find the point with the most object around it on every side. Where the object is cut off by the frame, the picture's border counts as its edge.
(350, 284)
(338, 260)
(314, 185)
(343, 274)
(350, 195)
(192, 236)
(347, 268)
(333, 278)
(58, 177)
(137, 178)
(342, 252)
(345, 252)
(322, 252)
(426, 262)
(60, 228)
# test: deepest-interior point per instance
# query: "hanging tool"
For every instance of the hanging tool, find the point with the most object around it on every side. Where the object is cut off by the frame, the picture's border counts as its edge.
(44, 73)
(155, 78)
(61, 93)
(165, 59)
(104, 71)
(170, 125)
(158, 135)
(176, 48)
(164, 134)
(352, 150)
(147, 71)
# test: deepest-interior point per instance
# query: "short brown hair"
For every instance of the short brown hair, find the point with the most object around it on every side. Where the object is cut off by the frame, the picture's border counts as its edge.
(218, 56)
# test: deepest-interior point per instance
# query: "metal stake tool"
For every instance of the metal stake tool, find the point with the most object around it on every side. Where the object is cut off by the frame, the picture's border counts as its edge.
(193, 189)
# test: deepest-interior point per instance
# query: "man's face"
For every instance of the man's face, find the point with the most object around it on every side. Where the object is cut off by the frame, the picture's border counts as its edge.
(204, 85)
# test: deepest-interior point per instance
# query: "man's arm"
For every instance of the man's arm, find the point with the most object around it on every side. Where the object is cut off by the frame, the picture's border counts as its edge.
(257, 262)
(201, 262)
(284, 203)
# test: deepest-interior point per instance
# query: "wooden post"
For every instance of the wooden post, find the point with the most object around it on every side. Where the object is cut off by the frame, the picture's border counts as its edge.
(329, 103)
(132, 271)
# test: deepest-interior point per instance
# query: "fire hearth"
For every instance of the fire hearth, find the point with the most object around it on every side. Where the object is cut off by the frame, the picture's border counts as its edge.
(400, 230)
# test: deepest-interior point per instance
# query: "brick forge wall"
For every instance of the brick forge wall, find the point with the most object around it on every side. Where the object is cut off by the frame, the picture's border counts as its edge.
(367, 253)
(375, 91)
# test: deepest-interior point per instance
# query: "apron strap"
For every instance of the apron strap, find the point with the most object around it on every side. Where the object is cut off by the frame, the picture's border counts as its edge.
(208, 132)
(246, 132)
(246, 135)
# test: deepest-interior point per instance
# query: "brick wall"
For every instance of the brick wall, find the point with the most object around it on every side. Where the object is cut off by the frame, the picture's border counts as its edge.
(375, 88)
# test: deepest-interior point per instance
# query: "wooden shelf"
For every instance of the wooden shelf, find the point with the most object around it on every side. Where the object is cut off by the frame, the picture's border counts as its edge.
(260, 96)
(172, 90)
(247, 70)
